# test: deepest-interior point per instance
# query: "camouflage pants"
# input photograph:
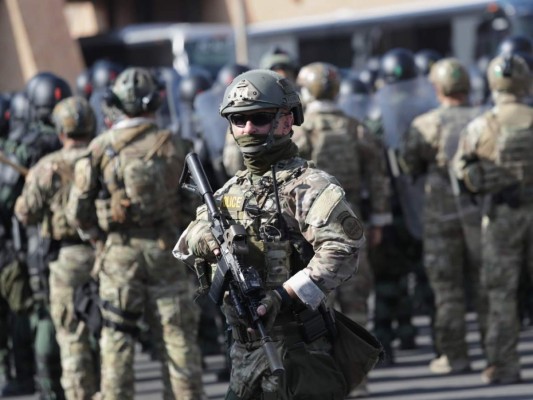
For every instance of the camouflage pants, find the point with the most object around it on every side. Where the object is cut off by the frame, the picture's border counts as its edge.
(17, 302)
(79, 370)
(137, 274)
(507, 244)
(310, 373)
(448, 265)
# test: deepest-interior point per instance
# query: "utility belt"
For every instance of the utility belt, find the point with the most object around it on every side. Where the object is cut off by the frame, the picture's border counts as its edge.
(293, 326)
(124, 236)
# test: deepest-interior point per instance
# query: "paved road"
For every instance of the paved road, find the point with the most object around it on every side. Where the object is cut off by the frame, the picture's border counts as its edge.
(409, 379)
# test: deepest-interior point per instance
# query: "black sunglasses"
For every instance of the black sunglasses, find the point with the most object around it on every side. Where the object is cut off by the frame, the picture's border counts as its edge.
(258, 119)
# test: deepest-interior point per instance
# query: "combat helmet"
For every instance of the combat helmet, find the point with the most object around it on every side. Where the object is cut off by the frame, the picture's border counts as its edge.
(104, 73)
(516, 44)
(509, 73)
(74, 117)
(278, 59)
(259, 89)
(398, 65)
(44, 91)
(228, 72)
(425, 59)
(321, 80)
(134, 92)
(193, 84)
(450, 76)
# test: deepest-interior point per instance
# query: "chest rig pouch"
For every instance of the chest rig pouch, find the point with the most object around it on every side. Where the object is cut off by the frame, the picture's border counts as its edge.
(256, 207)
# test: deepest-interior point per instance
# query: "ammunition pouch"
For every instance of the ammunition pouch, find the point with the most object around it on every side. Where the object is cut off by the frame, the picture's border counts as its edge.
(312, 324)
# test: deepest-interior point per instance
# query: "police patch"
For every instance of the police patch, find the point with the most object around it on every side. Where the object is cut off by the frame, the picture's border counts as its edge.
(351, 226)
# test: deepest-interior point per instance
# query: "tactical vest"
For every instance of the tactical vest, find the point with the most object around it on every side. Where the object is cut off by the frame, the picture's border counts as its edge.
(333, 140)
(56, 223)
(511, 127)
(451, 122)
(273, 250)
(134, 176)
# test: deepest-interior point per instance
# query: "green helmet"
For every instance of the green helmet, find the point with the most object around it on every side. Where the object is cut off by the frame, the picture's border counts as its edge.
(509, 73)
(277, 60)
(259, 89)
(74, 117)
(134, 92)
(322, 80)
(450, 76)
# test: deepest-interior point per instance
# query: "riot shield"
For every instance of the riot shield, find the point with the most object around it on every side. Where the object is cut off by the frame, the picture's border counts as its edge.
(398, 104)
(355, 105)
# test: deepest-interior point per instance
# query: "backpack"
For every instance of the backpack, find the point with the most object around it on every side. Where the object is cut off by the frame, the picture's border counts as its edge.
(139, 194)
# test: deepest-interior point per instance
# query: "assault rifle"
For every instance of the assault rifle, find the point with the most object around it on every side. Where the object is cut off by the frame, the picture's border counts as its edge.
(232, 274)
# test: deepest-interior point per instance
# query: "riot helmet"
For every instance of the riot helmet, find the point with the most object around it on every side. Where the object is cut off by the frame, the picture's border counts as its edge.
(353, 84)
(319, 80)
(424, 60)
(398, 65)
(228, 72)
(134, 92)
(516, 44)
(74, 117)
(44, 91)
(84, 84)
(261, 89)
(450, 76)
(509, 73)
(104, 73)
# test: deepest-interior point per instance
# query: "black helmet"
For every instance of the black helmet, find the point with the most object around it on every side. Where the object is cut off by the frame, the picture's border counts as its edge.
(424, 60)
(398, 65)
(352, 84)
(193, 84)
(104, 73)
(44, 91)
(516, 44)
(20, 107)
(84, 84)
(229, 71)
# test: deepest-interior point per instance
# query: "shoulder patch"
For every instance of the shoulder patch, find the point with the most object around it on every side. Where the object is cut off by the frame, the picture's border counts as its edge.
(351, 226)
(324, 204)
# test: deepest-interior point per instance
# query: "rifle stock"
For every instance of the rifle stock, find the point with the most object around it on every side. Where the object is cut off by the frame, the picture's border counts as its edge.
(243, 281)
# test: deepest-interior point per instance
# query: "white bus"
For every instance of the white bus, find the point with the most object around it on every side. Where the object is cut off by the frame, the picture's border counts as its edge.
(466, 29)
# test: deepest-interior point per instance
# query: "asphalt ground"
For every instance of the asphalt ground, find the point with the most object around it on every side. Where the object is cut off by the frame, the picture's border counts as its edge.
(408, 379)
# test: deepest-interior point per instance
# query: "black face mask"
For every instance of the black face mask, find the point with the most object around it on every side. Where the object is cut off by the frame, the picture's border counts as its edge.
(259, 162)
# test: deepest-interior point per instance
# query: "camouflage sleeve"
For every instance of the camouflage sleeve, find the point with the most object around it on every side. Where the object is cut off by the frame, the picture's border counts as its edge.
(81, 210)
(374, 171)
(325, 220)
(32, 204)
(468, 143)
(419, 147)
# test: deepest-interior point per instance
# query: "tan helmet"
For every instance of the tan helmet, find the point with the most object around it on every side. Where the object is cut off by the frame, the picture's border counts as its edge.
(321, 80)
(134, 92)
(259, 89)
(74, 117)
(450, 76)
(509, 73)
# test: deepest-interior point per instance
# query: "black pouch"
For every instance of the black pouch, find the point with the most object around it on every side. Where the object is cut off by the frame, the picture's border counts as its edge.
(311, 324)
(355, 350)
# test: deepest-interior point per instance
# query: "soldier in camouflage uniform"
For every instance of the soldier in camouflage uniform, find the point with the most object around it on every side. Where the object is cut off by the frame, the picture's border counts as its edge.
(341, 146)
(494, 161)
(302, 255)
(126, 184)
(44, 200)
(452, 224)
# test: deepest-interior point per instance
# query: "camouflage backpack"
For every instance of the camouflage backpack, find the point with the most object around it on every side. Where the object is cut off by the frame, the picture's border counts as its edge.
(332, 145)
(135, 177)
